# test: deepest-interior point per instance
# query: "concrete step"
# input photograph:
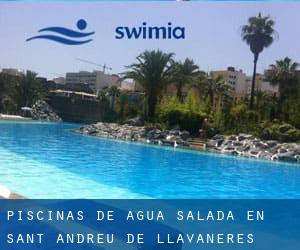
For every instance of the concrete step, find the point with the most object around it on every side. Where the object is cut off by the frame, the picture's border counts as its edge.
(197, 144)
(198, 147)
(198, 139)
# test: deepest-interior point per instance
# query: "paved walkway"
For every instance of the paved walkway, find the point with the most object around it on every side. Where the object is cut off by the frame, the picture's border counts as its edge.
(14, 118)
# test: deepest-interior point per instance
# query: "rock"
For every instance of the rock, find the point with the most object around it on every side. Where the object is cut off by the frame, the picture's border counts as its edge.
(41, 110)
(254, 152)
(243, 148)
(212, 144)
(282, 151)
(261, 145)
(237, 144)
(234, 152)
(167, 142)
(242, 137)
(219, 142)
(229, 149)
(272, 143)
(174, 132)
(265, 155)
(137, 133)
(137, 121)
(289, 156)
(218, 137)
(242, 144)
(176, 127)
(232, 138)
(185, 135)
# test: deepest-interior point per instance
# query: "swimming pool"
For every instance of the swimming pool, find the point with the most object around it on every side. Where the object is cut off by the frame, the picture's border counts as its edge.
(49, 160)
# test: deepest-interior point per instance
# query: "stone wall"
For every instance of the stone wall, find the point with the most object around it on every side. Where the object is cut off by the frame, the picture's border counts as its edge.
(239, 145)
(74, 109)
(250, 146)
(136, 133)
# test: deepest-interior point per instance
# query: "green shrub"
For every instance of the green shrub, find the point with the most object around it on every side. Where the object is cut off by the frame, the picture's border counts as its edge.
(185, 119)
(282, 132)
(186, 115)
(294, 113)
(243, 119)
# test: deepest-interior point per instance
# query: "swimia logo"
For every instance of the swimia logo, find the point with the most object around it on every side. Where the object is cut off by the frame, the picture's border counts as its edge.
(65, 35)
(150, 32)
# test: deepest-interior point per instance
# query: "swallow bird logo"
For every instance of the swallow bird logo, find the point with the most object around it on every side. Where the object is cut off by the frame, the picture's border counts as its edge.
(65, 35)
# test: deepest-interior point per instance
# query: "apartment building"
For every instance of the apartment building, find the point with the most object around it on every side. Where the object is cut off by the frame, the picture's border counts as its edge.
(96, 80)
(236, 80)
(240, 83)
(12, 71)
(261, 84)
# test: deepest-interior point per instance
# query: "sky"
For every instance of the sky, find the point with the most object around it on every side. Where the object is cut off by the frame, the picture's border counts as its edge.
(212, 40)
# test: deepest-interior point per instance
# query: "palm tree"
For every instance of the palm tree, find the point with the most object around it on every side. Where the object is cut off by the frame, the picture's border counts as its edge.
(216, 88)
(184, 73)
(261, 99)
(7, 91)
(2, 89)
(29, 89)
(200, 85)
(283, 74)
(113, 92)
(102, 95)
(258, 34)
(153, 72)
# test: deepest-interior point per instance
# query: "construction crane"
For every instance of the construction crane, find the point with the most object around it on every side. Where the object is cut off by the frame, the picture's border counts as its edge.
(104, 66)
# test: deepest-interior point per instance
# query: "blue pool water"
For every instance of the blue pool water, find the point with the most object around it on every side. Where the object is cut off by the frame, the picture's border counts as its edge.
(48, 160)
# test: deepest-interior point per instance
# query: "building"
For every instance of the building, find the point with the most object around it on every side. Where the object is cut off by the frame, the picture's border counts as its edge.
(96, 80)
(241, 84)
(127, 86)
(131, 86)
(78, 87)
(261, 84)
(236, 80)
(12, 71)
(59, 80)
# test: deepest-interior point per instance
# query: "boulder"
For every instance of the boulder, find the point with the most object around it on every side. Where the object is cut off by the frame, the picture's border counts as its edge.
(272, 143)
(232, 138)
(41, 110)
(218, 137)
(136, 121)
(174, 132)
(288, 156)
(242, 137)
(242, 144)
(185, 135)
(282, 150)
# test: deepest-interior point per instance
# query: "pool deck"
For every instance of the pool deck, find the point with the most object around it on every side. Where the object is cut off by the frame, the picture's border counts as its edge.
(14, 196)
(5, 193)
(14, 118)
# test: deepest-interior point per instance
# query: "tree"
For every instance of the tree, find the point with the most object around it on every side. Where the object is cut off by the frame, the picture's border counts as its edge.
(3, 82)
(28, 89)
(184, 73)
(283, 75)
(113, 92)
(102, 96)
(258, 34)
(153, 72)
(9, 96)
(200, 84)
(216, 88)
